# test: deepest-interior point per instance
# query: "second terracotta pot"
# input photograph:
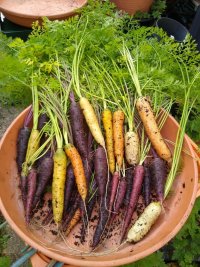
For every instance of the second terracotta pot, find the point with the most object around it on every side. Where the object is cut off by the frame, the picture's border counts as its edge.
(131, 6)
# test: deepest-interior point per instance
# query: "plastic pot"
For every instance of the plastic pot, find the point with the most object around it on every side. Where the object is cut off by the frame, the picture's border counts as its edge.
(132, 6)
(26, 13)
(173, 28)
(177, 207)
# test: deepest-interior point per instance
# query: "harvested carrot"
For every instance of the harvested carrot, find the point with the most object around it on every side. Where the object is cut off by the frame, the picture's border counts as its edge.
(151, 128)
(33, 144)
(59, 176)
(144, 223)
(75, 219)
(108, 127)
(92, 120)
(78, 168)
(132, 147)
(118, 134)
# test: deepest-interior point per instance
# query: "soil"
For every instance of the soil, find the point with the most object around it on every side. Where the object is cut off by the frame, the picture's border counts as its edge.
(14, 243)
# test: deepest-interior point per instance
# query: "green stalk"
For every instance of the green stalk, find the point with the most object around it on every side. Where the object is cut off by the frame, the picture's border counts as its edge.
(179, 139)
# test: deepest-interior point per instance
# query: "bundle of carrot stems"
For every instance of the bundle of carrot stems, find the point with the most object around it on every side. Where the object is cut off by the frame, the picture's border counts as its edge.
(96, 142)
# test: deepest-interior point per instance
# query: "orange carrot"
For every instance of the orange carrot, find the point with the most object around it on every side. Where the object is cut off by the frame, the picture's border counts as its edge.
(151, 128)
(118, 134)
(75, 219)
(79, 173)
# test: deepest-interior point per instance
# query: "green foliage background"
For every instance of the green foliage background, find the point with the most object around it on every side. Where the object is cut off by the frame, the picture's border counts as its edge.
(159, 59)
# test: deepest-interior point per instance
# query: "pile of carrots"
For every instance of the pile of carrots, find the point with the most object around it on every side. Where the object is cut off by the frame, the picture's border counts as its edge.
(101, 145)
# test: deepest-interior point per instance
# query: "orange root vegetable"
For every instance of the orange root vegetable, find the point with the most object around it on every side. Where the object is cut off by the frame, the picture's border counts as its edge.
(75, 219)
(118, 135)
(108, 127)
(152, 130)
(78, 168)
(58, 185)
(132, 148)
(92, 120)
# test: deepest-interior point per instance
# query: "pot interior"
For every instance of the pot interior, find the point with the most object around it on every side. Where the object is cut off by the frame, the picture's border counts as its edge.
(176, 209)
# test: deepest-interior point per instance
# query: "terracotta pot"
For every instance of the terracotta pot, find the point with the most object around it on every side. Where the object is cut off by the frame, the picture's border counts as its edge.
(25, 12)
(131, 6)
(177, 207)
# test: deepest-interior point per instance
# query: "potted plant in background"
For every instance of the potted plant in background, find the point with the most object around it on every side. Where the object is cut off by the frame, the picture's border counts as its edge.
(145, 12)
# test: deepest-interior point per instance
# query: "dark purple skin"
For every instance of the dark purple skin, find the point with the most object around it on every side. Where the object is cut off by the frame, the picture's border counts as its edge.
(71, 213)
(114, 186)
(147, 185)
(28, 118)
(101, 170)
(90, 143)
(120, 194)
(48, 217)
(77, 122)
(22, 144)
(44, 171)
(119, 201)
(69, 185)
(129, 178)
(136, 190)
(22, 140)
(101, 225)
(42, 120)
(23, 187)
(159, 174)
(31, 189)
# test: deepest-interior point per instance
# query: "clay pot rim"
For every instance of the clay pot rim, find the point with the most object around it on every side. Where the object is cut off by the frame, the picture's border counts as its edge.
(125, 260)
(60, 15)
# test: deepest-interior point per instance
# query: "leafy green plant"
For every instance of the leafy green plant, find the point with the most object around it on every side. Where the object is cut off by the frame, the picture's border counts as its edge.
(187, 242)
(5, 261)
(153, 260)
(157, 9)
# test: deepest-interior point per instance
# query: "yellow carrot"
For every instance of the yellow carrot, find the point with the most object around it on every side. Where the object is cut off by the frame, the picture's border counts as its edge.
(75, 219)
(78, 169)
(92, 120)
(33, 144)
(151, 128)
(118, 136)
(108, 127)
(58, 185)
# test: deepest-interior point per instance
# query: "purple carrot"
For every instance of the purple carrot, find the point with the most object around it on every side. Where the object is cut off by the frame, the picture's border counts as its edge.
(22, 140)
(159, 173)
(69, 185)
(45, 171)
(129, 178)
(29, 118)
(103, 220)
(23, 187)
(48, 217)
(101, 170)
(119, 200)
(42, 120)
(22, 143)
(114, 186)
(90, 143)
(77, 122)
(147, 184)
(136, 190)
(120, 194)
(31, 189)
